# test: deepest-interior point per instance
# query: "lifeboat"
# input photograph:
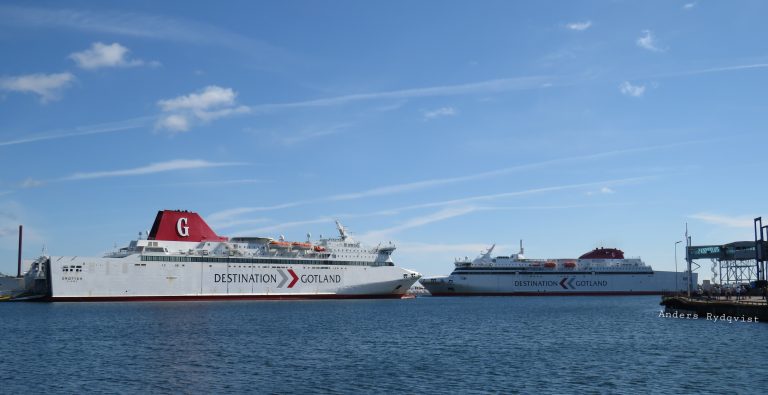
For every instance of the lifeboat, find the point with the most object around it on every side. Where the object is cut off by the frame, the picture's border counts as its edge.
(550, 265)
(570, 264)
(280, 244)
(319, 248)
(301, 246)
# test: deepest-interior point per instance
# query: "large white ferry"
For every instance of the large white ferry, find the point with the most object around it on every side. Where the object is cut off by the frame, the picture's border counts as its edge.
(603, 271)
(182, 258)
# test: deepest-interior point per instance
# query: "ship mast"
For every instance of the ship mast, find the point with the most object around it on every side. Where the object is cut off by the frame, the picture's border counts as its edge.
(342, 230)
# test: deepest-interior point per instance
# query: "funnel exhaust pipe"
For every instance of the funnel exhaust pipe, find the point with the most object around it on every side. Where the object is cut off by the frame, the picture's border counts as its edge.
(18, 271)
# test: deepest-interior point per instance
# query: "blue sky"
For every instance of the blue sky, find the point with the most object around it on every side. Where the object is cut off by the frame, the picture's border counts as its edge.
(441, 126)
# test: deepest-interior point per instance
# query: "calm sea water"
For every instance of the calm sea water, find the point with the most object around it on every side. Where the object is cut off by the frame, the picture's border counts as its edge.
(425, 345)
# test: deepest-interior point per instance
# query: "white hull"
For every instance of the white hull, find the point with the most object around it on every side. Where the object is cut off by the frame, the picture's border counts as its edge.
(82, 278)
(543, 283)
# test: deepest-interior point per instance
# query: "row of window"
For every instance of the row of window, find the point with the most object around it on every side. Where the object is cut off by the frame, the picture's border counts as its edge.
(163, 258)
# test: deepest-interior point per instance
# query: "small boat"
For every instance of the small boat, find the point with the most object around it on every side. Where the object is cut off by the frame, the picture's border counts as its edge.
(301, 246)
(570, 264)
(550, 265)
(280, 244)
(319, 248)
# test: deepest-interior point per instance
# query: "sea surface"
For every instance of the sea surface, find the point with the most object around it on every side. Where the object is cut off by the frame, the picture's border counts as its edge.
(425, 345)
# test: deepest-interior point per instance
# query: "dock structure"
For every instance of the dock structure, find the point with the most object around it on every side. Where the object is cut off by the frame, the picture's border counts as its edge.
(733, 264)
(751, 309)
(739, 273)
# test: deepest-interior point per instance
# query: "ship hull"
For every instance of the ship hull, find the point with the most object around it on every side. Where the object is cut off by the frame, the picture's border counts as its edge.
(559, 284)
(134, 279)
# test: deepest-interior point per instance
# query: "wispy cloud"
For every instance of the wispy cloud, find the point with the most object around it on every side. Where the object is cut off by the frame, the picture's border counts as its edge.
(161, 167)
(439, 113)
(689, 6)
(723, 220)
(754, 66)
(226, 215)
(453, 207)
(47, 86)
(156, 27)
(482, 87)
(208, 104)
(236, 222)
(648, 41)
(627, 89)
(312, 133)
(415, 222)
(496, 196)
(579, 26)
(419, 185)
(248, 181)
(284, 225)
(111, 127)
(463, 249)
(102, 55)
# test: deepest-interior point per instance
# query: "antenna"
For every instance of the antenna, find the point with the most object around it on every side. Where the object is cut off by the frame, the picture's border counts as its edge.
(521, 247)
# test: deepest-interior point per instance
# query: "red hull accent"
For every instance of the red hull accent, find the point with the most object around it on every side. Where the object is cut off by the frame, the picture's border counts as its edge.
(611, 293)
(213, 297)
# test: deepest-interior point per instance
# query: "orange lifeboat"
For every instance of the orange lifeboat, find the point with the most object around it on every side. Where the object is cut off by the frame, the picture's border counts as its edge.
(570, 264)
(301, 246)
(319, 248)
(280, 244)
(550, 265)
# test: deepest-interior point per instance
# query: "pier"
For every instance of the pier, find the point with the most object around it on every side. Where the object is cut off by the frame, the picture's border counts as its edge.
(753, 309)
(739, 273)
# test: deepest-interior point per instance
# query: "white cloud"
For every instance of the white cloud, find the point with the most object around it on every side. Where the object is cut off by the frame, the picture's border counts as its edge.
(648, 41)
(31, 183)
(731, 222)
(440, 112)
(579, 26)
(172, 165)
(210, 103)
(103, 55)
(632, 90)
(209, 97)
(174, 123)
(689, 6)
(47, 86)
(603, 191)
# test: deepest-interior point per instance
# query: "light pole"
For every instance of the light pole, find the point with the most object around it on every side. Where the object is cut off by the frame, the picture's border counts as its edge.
(677, 287)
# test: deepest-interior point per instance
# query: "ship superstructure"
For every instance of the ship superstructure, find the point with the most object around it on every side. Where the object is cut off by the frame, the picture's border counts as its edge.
(602, 271)
(183, 258)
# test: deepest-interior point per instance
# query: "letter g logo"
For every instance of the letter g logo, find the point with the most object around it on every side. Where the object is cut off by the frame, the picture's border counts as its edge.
(181, 227)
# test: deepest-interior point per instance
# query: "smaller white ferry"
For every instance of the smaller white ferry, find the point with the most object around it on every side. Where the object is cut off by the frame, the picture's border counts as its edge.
(602, 271)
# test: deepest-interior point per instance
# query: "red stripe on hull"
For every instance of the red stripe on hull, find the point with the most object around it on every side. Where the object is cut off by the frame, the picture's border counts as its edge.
(211, 297)
(611, 293)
